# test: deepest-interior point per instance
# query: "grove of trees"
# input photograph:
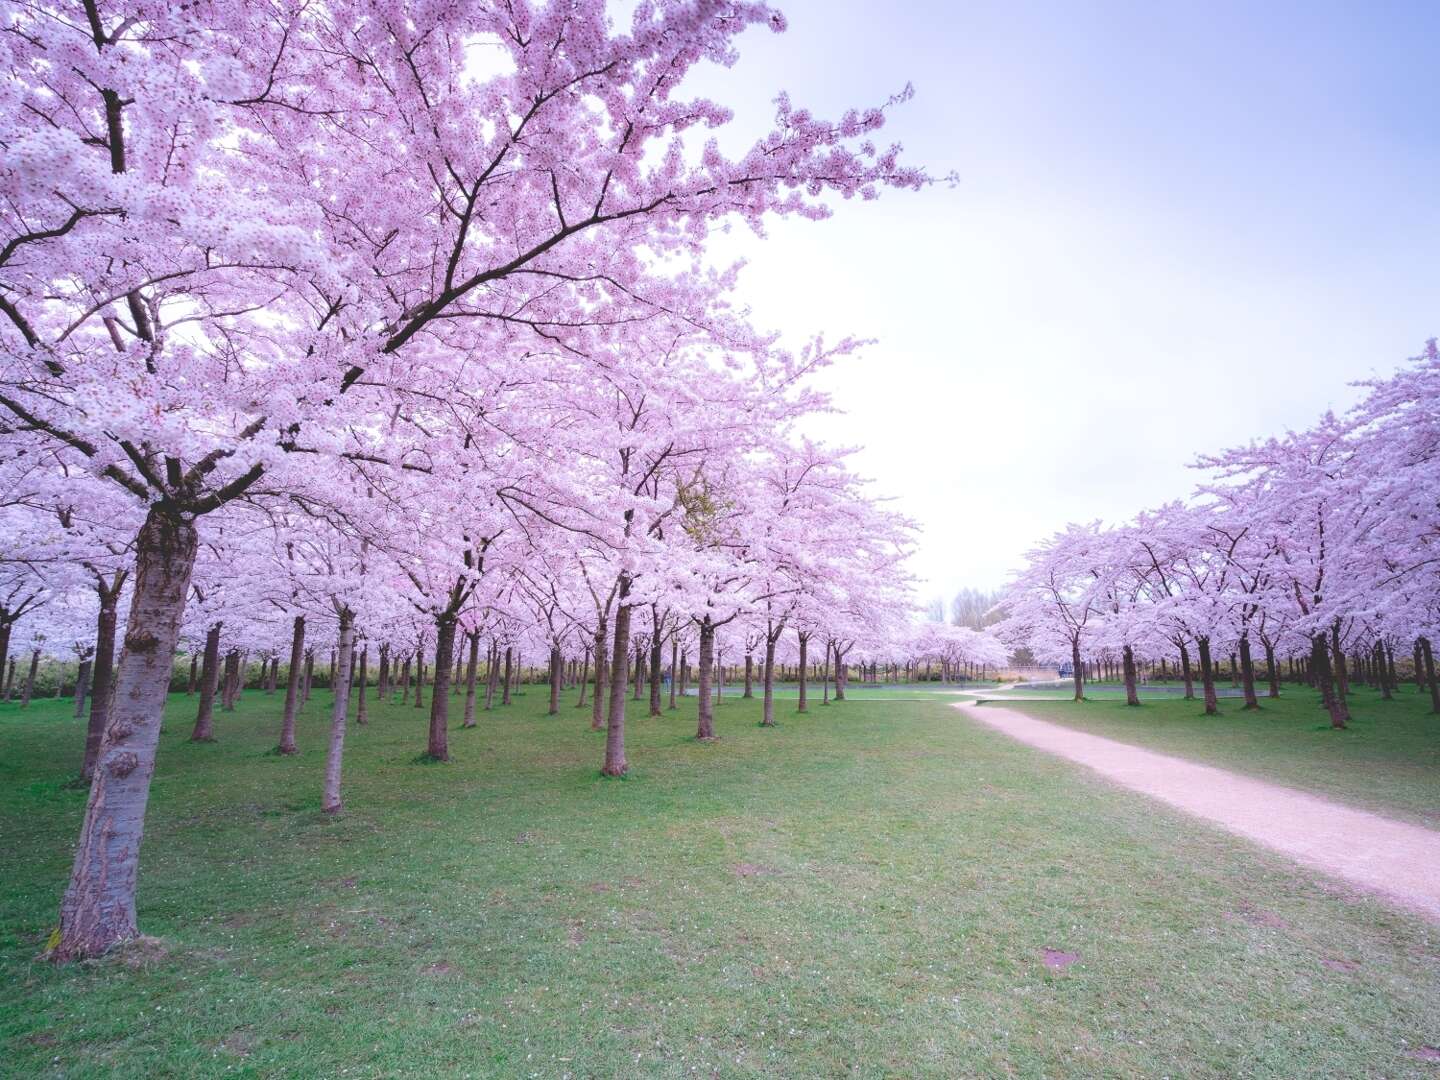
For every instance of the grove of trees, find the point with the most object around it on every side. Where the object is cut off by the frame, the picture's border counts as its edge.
(379, 341)
(1314, 555)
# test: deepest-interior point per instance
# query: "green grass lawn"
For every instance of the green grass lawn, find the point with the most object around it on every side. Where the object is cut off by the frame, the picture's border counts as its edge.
(1387, 760)
(865, 891)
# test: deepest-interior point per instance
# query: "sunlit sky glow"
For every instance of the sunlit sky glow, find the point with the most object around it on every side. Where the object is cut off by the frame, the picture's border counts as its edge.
(1177, 227)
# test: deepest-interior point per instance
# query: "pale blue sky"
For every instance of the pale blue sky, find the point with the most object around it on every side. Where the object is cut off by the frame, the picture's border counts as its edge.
(1177, 226)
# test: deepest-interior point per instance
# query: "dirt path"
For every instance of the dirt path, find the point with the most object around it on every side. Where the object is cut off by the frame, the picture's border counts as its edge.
(1391, 858)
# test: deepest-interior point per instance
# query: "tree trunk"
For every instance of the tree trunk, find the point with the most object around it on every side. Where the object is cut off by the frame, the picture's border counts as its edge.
(674, 666)
(749, 675)
(1207, 677)
(804, 648)
(767, 710)
(706, 728)
(308, 676)
(472, 666)
(615, 763)
(1132, 693)
(584, 678)
(1077, 670)
(1320, 662)
(382, 677)
(509, 672)
(597, 710)
(556, 660)
(1247, 673)
(194, 667)
(438, 746)
(204, 730)
(82, 687)
(362, 711)
(29, 689)
(657, 664)
(1342, 677)
(232, 680)
(1271, 672)
(101, 684)
(841, 675)
(1186, 672)
(292, 687)
(98, 910)
(1427, 652)
(420, 675)
(492, 673)
(340, 674)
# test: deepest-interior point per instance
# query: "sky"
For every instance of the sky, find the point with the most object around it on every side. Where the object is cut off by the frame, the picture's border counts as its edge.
(1176, 227)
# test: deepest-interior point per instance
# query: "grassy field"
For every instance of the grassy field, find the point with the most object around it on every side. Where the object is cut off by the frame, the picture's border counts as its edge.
(1387, 760)
(866, 891)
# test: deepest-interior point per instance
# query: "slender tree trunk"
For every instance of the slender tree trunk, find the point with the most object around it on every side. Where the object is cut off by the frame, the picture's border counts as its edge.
(420, 675)
(492, 674)
(98, 910)
(438, 746)
(362, 711)
(825, 677)
(29, 688)
(1390, 666)
(204, 730)
(382, 677)
(232, 680)
(804, 648)
(308, 676)
(82, 687)
(1247, 673)
(1427, 653)
(292, 687)
(615, 763)
(584, 678)
(1272, 673)
(1186, 672)
(472, 666)
(1077, 670)
(405, 682)
(597, 711)
(556, 660)
(509, 673)
(842, 675)
(1132, 693)
(101, 687)
(674, 667)
(657, 665)
(749, 675)
(330, 799)
(194, 667)
(767, 712)
(1207, 677)
(1419, 666)
(706, 727)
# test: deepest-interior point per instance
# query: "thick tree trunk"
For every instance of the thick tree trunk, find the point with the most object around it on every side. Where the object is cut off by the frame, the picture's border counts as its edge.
(100, 691)
(767, 710)
(615, 763)
(1320, 662)
(1247, 673)
(1342, 677)
(1132, 692)
(438, 745)
(292, 687)
(706, 727)
(335, 755)
(804, 648)
(204, 730)
(1207, 677)
(98, 910)
(472, 667)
